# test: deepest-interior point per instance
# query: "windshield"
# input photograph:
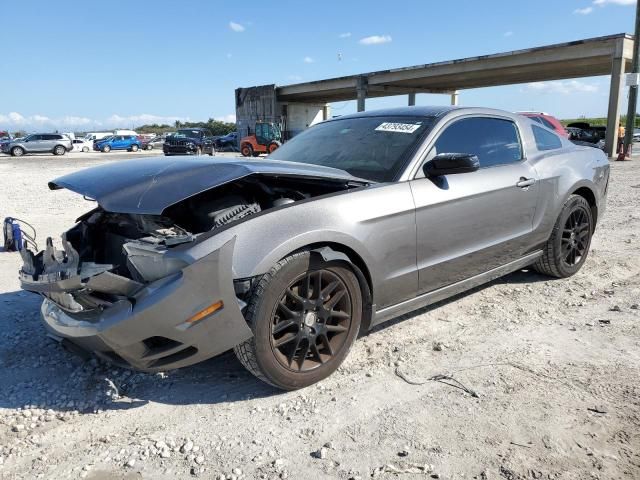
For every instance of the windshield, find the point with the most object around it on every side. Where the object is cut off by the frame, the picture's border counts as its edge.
(188, 133)
(374, 148)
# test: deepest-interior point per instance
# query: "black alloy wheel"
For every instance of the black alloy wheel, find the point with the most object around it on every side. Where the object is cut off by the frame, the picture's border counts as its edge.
(311, 321)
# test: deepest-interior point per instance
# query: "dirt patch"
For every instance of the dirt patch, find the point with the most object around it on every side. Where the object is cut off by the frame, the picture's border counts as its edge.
(555, 365)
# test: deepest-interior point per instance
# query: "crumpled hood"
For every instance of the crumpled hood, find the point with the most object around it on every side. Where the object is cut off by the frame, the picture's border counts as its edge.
(150, 185)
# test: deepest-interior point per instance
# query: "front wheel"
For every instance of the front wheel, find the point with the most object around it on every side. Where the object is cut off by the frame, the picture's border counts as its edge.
(246, 150)
(305, 314)
(85, 149)
(17, 151)
(106, 149)
(566, 250)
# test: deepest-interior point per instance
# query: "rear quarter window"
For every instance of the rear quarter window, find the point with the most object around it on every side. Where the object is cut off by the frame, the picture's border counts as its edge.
(545, 140)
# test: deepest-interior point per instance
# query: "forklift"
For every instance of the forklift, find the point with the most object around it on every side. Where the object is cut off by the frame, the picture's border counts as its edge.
(266, 139)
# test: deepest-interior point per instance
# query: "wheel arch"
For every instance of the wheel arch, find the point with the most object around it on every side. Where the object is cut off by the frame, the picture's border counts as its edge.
(334, 251)
(589, 195)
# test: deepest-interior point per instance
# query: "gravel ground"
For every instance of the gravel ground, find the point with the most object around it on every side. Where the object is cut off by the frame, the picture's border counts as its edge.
(551, 370)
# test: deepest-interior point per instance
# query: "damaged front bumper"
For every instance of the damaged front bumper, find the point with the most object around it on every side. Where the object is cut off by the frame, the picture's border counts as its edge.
(180, 319)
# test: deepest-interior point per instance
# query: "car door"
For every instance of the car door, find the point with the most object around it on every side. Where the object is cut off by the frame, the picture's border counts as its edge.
(469, 223)
(118, 142)
(44, 144)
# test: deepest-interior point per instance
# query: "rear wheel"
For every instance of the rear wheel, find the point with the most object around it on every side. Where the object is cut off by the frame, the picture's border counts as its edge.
(85, 149)
(134, 148)
(17, 151)
(566, 250)
(305, 315)
(246, 150)
(59, 150)
(199, 151)
(149, 147)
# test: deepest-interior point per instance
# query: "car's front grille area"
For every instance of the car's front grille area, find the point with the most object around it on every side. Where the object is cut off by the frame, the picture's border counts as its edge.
(178, 143)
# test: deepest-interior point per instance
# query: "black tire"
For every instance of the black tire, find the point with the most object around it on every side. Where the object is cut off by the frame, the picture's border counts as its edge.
(134, 148)
(273, 146)
(568, 246)
(17, 151)
(106, 149)
(321, 340)
(59, 150)
(85, 149)
(213, 151)
(149, 147)
(246, 150)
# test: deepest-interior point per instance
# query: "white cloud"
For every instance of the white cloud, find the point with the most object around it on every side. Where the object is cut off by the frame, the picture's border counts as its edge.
(236, 27)
(614, 2)
(375, 40)
(345, 35)
(508, 34)
(583, 11)
(308, 60)
(230, 118)
(562, 87)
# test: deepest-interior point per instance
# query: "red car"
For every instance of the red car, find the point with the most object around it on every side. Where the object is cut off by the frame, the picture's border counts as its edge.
(548, 121)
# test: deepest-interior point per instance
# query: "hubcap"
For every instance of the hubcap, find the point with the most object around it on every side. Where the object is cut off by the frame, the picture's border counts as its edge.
(311, 321)
(575, 237)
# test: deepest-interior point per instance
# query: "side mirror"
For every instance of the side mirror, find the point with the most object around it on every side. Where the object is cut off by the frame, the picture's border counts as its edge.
(451, 163)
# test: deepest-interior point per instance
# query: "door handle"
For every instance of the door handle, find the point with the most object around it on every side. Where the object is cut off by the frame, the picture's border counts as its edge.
(525, 182)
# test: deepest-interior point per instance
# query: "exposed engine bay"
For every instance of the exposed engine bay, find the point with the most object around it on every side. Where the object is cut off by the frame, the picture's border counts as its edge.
(107, 256)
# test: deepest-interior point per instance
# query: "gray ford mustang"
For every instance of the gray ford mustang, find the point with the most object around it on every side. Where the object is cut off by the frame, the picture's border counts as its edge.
(287, 259)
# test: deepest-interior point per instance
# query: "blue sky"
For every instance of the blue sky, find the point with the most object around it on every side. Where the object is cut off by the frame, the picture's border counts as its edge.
(80, 65)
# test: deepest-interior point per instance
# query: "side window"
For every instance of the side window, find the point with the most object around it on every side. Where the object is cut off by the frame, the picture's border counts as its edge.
(48, 137)
(33, 138)
(545, 140)
(495, 141)
(547, 123)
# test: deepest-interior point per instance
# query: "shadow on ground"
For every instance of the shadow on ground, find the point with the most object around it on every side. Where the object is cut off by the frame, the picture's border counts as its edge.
(38, 371)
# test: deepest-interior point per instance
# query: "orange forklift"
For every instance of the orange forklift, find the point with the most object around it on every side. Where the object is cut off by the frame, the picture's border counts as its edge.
(266, 139)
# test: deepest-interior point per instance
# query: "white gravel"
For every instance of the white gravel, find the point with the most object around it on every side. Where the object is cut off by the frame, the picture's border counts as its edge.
(555, 365)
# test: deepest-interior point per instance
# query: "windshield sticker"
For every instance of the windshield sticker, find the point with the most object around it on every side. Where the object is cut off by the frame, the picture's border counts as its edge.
(397, 127)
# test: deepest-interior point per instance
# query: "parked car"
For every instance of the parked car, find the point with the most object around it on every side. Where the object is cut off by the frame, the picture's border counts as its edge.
(594, 131)
(287, 259)
(189, 141)
(154, 143)
(548, 121)
(81, 145)
(55, 143)
(228, 141)
(118, 142)
(4, 135)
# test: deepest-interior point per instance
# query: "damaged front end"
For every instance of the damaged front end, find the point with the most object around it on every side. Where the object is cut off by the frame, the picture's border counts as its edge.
(117, 289)
(131, 283)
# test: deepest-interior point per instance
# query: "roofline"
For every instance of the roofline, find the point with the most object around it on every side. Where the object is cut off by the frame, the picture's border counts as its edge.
(617, 36)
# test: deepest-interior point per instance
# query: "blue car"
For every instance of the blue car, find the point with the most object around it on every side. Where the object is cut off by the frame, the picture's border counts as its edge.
(118, 142)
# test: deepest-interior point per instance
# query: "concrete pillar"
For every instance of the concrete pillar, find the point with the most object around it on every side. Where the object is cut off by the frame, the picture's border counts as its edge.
(613, 115)
(412, 99)
(361, 90)
(454, 97)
